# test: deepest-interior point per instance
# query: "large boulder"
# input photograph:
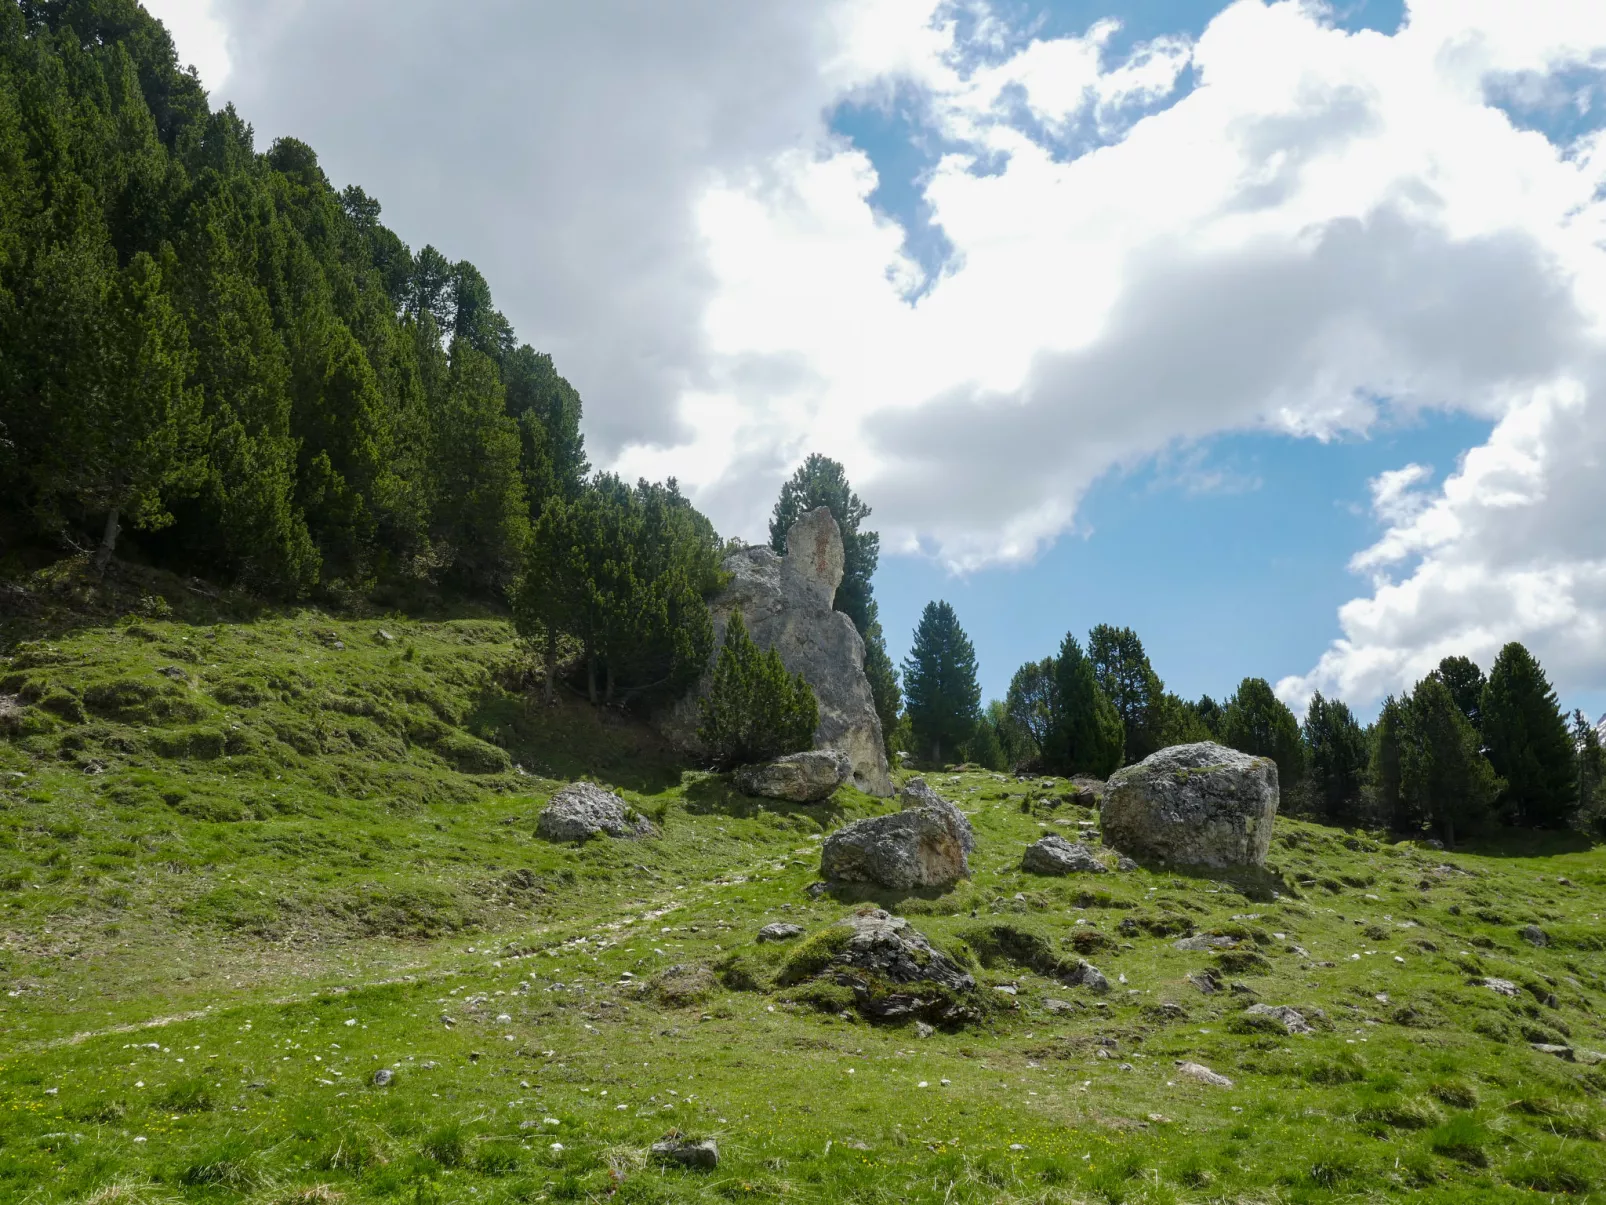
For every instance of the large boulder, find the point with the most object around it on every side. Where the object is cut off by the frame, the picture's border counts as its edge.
(1195, 805)
(927, 844)
(786, 605)
(583, 810)
(797, 777)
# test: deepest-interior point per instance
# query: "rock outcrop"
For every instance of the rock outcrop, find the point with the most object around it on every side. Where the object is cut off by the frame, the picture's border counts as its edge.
(583, 810)
(786, 604)
(1197, 805)
(892, 970)
(927, 844)
(797, 777)
(1055, 855)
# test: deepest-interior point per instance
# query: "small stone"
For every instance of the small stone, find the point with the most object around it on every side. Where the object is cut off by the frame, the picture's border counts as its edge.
(1201, 942)
(1203, 1074)
(780, 931)
(1565, 1053)
(1205, 981)
(1059, 1006)
(1503, 987)
(675, 1149)
(1124, 863)
(1534, 935)
(922, 1030)
(384, 1077)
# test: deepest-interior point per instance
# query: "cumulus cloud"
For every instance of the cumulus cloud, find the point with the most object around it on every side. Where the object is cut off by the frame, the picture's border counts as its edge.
(1279, 226)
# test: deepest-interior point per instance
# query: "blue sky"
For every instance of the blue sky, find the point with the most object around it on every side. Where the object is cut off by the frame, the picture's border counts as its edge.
(1229, 557)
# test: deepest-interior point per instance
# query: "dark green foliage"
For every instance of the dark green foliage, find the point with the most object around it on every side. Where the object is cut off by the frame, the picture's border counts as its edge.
(755, 710)
(1444, 780)
(939, 676)
(1124, 674)
(1086, 735)
(1210, 714)
(1466, 684)
(1000, 743)
(1528, 743)
(821, 481)
(1383, 772)
(1257, 721)
(214, 349)
(1591, 773)
(624, 571)
(1032, 702)
(1335, 748)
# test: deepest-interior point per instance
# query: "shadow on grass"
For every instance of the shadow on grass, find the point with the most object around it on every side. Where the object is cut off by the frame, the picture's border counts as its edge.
(713, 795)
(572, 739)
(893, 901)
(1255, 882)
(1524, 843)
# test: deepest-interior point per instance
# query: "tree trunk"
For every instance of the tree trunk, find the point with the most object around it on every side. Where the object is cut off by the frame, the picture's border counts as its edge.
(591, 677)
(607, 696)
(108, 542)
(1449, 833)
(551, 662)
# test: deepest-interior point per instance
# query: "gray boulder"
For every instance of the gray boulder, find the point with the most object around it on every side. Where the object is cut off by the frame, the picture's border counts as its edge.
(894, 950)
(780, 931)
(686, 1152)
(894, 972)
(583, 810)
(1055, 855)
(786, 605)
(798, 777)
(927, 844)
(1197, 805)
(1290, 1019)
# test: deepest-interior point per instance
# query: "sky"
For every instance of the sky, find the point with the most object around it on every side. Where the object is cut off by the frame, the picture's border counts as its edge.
(1272, 330)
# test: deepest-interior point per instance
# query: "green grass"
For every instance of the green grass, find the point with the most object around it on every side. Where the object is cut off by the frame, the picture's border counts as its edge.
(232, 894)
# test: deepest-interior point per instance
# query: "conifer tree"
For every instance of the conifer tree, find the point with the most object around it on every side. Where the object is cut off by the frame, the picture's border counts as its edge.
(1443, 777)
(1527, 742)
(1591, 806)
(1032, 702)
(939, 675)
(754, 710)
(1336, 752)
(1128, 680)
(1087, 735)
(1387, 738)
(1465, 681)
(1257, 721)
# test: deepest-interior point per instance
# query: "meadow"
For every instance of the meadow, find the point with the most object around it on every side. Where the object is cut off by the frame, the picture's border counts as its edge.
(250, 857)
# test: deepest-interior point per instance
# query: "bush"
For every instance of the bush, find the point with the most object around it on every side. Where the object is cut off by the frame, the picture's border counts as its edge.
(755, 710)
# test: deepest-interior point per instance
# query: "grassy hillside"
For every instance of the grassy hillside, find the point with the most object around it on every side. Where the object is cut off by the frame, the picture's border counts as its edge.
(248, 858)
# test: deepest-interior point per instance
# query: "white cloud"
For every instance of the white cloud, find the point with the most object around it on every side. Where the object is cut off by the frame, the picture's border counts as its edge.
(1328, 228)
(199, 35)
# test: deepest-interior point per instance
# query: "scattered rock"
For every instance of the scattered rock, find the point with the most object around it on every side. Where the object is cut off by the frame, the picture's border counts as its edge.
(1203, 1074)
(1089, 976)
(384, 1077)
(683, 1151)
(1292, 1019)
(1565, 1053)
(1205, 981)
(1124, 863)
(1055, 855)
(892, 970)
(173, 672)
(787, 605)
(1204, 941)
(1503, 987)
(780, 931)
(922, 1030)
(1201, 804)
(1534, 935)
(1059, 1006)
(925, 845)
(797, 777)
(583, 810)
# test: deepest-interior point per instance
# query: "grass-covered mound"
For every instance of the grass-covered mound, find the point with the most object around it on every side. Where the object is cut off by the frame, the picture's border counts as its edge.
(249, 863)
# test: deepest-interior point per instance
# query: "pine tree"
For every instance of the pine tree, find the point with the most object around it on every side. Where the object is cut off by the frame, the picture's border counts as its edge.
(1528, 743)
(1336, 752)
(1466, 683)
(1387, 738)
(754, 710)
(821, 481)
(1128, 680)
(939, 675)
(1257, 721)
(1591, 806)
(1443, 776)
(1087, 735)
(550, 594)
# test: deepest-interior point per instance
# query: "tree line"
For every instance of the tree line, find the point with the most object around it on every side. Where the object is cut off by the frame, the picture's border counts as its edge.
(209, 350)
(1458, 753)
